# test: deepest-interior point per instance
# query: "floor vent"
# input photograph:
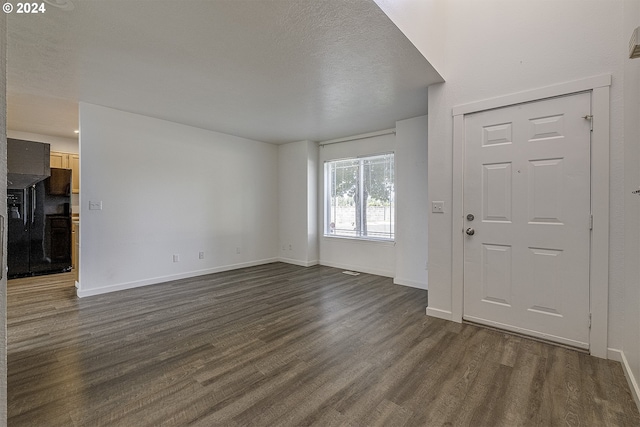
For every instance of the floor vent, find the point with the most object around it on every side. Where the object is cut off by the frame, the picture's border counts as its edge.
(351, 273)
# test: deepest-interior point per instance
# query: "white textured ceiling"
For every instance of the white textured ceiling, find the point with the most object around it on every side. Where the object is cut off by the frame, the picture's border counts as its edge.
(270, 70)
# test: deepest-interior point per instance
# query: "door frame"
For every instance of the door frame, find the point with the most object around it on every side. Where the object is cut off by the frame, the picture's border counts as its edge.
(599, 87)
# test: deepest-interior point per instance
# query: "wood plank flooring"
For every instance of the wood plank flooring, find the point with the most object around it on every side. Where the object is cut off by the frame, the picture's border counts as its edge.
(281, 345)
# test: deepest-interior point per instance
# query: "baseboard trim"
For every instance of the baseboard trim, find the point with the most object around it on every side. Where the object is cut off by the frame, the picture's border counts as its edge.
(358, 268)
(614, 354)
(618, 355)
(440, 314)
(410, 283)
(81, 293)
(298, 262)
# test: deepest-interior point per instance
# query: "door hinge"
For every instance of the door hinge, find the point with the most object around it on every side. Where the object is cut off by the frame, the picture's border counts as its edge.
(590, 118)
(589, 320)
(591, 222)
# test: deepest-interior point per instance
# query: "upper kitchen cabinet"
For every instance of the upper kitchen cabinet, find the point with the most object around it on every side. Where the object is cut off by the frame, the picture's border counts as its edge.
(59, 160)
(74, 164)
(68, 161)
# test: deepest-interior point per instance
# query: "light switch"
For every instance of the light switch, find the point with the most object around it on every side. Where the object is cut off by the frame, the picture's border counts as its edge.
(95, 206)
(437, 207)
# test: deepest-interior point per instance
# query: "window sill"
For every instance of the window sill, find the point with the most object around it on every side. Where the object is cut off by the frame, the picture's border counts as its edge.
(348, 239)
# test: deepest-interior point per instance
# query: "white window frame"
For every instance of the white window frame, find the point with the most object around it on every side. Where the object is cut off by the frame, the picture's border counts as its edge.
(327, 198)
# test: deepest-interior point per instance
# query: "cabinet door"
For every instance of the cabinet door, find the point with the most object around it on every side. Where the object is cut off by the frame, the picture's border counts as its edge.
(74, 164)
(60, 240)
(59, 160)
(74, 245)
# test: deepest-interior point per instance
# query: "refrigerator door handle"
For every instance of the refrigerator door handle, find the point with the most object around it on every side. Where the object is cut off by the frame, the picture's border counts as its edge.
(25, 217)
(33, 204)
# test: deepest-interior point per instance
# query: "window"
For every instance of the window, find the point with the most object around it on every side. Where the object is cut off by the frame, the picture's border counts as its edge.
(359, 198)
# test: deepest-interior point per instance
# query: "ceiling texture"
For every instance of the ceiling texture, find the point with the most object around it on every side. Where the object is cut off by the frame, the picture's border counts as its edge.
(270, 70)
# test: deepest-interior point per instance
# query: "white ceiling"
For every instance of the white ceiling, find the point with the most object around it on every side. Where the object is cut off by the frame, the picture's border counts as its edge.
(270, 70)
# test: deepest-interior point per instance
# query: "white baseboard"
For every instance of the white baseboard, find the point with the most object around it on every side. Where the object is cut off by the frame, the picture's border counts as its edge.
(360, 269)
(614, 354)
(618, 355)
(410, 283)
(81, 293)
(440, 314)
(298, 262)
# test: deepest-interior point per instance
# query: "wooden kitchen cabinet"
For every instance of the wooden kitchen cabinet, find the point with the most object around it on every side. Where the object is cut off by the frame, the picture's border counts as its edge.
(75, 243)
(74, 165)
(59, 243)
(59, 160)
(68, 161)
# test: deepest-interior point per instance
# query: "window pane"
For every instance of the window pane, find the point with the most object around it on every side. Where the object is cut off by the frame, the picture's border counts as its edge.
(360, 198)
(378, 221)
(344, 184)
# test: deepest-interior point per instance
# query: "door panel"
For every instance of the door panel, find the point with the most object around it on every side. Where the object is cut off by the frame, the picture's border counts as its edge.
(496, 185)
(496, 274)
(527, 183)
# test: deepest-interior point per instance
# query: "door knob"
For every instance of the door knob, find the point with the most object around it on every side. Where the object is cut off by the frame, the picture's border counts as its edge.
(470, 231)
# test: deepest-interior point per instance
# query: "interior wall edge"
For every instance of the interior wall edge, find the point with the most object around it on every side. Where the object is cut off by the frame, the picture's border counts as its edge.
(440, 314)
(410, 283)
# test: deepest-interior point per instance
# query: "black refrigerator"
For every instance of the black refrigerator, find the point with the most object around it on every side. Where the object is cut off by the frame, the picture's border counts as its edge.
(39, 227)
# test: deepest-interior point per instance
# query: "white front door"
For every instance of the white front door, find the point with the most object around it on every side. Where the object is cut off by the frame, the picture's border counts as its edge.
(526, 250)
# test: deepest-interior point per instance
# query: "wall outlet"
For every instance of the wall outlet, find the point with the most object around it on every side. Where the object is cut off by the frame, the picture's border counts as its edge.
(290, 247)
(437, 207)
(176, 257)
(238, 250)
(95, 206)
(201, 255)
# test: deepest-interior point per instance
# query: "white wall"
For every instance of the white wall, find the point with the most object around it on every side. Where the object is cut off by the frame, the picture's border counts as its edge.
(313, 233)
(631, 338)
(521, 46)
(297, 202)
(65, 145)
(361, 255)
(170, 189)
(422, 23)
(412, 204)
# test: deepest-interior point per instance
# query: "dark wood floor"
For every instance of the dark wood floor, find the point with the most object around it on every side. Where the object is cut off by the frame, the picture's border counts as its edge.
(285, 345)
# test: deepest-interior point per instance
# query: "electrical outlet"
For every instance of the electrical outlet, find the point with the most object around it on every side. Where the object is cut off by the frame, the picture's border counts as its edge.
(201, 255)
(95, 206)
(437, 207)
(290, 247)
(176, 257)
(237, 250)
